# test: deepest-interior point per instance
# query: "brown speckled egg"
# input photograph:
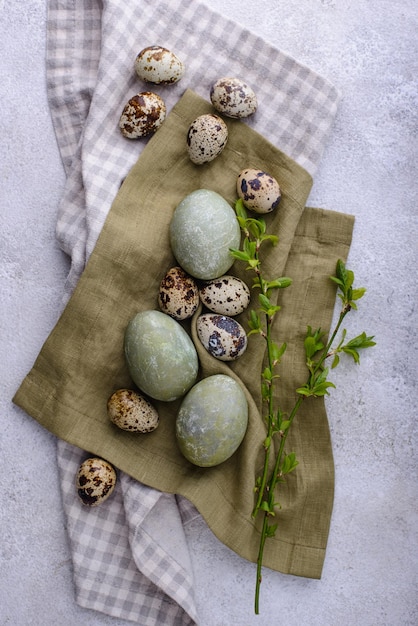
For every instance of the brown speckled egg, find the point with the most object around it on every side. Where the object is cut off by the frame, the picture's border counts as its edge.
(95, 481)
(226, 295)
(158, 65)
(179, 294)
(259, 191)
(130, 411)
(233, 97)
(222, 336)
(206, 138)
(142, 115)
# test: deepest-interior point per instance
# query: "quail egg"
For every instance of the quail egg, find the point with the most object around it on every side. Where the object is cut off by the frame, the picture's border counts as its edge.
(158, 65)
(179, 294)
(226, 295)
(206, 138)
(259, 191)
(233, 97)
(95, 481)
(142, 115)
(130, 411)
(222, 336)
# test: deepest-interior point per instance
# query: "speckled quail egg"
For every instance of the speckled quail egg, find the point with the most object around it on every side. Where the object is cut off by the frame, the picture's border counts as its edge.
(222, 336)
(130, 411)
(158, 65)
(259, 191)
(95, 481)
(233, 97)
(206, 138)
(142, 115)
(179, 294)
(226, 295)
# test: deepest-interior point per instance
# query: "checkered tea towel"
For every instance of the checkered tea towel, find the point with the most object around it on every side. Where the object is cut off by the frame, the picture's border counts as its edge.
(125, 562)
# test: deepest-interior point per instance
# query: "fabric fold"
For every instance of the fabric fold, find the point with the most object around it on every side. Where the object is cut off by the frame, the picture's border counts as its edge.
(124, 563)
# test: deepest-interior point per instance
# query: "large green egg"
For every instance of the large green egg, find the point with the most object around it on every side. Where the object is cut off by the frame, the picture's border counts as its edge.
(202, 230)
(212, 420)
(161, 357)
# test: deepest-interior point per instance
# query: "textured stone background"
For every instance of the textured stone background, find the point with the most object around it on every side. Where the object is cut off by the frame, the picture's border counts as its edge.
(369, 50)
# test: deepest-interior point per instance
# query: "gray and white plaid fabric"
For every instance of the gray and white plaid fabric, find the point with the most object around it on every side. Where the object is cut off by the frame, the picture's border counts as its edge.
(124, 564)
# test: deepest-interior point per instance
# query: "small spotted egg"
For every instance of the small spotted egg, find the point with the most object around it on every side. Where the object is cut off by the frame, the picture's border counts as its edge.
(142, 115)
(259, 191)
(222, 336)
(158, 65)
(179, 294)
(226, 295)
(233, 97)
(130, 411)
(95, 481)
(206, 138)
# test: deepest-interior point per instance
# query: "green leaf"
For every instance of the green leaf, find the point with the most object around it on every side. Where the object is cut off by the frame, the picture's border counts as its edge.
(322, 389)
(352, 352)
(304, 391)
(273, 310)
(242, 222)
(264, 301)
(254, 228)
(350, 279)
(264, 506)
(335, 361)
(240, 209)
(250, 248)
(356, 294)
(337, 280)
(254, 321)
(277, 352)
(341, 272)
(289, 463)
(265, 391)
(262, 225)
(271, 530)
(310, 347)
(279, 283)
(272, 238)
(284, 425)
(267, 374)
(238, 254)
(361, 341)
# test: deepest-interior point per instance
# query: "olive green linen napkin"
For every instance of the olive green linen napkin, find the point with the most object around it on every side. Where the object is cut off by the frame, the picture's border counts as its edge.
(82, 361)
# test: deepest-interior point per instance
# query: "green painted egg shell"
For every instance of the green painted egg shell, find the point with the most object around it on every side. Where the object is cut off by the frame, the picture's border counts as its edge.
(212, 420)
(202, 230)
(161, 357)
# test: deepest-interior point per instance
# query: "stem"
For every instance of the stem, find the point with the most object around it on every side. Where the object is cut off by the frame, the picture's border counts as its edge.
(260, 564)
(343, 313)
(270, 416)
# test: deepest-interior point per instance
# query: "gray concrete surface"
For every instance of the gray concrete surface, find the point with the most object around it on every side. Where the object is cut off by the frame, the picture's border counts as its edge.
(369, 50)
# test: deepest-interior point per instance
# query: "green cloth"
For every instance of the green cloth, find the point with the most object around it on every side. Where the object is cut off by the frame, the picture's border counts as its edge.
(82, 362)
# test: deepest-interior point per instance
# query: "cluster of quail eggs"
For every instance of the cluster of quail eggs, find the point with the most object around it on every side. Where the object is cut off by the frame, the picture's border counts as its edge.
(144, 112)
(180, 295)
(207, 135)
